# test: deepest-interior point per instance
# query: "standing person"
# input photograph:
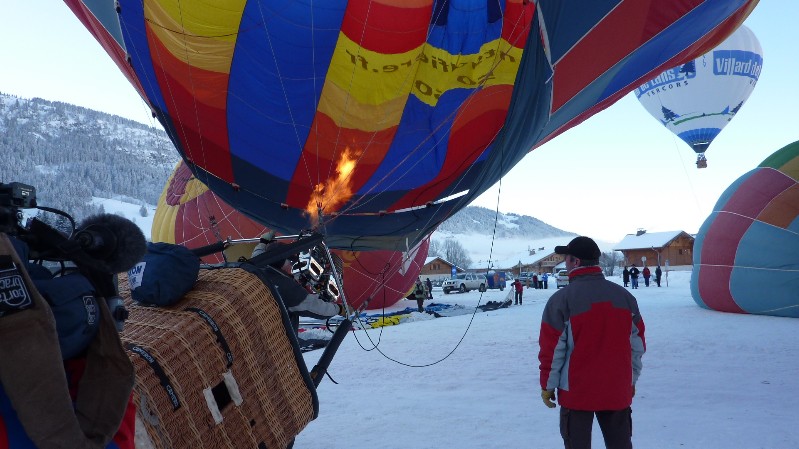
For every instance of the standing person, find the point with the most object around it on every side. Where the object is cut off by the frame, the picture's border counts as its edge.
(518, 288)
(625, 276)
(658, 274)
(634, 276)
(647, 274)
(419, 294)
(429, 286)
(535, 280)
(546, 280)
(540, 281)
(591, 343)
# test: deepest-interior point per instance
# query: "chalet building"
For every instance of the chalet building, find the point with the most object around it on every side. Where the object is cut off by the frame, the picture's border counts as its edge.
(437, 268)
(659, 248)
(539, 261)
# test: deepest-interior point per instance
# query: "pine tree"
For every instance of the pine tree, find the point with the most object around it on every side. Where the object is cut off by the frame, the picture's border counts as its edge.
(668, 114)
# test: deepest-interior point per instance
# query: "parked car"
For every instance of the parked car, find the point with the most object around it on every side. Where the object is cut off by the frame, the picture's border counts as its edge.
(463, 282)
(562, 278)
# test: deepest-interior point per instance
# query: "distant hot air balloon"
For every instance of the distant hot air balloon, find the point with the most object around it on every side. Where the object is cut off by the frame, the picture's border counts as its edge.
(696, 100)
(375, 121)
(189, 214)
(746, 254)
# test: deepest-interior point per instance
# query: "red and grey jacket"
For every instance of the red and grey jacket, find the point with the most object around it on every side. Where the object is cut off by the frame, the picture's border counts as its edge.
(592, 340)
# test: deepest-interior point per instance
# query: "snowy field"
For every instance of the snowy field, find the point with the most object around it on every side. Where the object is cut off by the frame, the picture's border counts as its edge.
(710, 380)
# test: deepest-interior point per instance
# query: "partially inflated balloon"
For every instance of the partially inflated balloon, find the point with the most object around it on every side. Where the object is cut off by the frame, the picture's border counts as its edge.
(190, 214)
(696, 100)
(746, 254)
(376, 120)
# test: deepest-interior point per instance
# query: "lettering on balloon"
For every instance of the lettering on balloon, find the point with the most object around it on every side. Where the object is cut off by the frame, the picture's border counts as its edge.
(426, 72)
(670, 79)
(737, 63)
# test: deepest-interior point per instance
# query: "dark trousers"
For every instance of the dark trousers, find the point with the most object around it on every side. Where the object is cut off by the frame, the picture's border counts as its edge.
(616, 425)
(657, 280)
(517, 297)
(420, 303)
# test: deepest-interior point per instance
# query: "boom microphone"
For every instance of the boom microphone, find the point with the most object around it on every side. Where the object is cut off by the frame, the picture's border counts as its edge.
(116, 243)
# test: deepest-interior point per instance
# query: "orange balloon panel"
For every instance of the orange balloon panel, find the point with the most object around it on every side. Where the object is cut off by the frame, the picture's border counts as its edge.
(191, 215)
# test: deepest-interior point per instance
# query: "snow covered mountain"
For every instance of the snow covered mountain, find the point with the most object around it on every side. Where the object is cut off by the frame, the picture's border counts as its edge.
(71, 154)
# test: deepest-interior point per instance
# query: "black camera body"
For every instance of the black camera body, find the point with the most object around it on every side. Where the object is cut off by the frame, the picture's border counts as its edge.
(14, 196)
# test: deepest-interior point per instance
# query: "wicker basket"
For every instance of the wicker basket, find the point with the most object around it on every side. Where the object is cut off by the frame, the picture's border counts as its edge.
(220, 369)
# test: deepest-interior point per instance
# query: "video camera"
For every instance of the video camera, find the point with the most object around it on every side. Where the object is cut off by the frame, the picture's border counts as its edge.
(14, 196)
(314, 268)
(102, 246)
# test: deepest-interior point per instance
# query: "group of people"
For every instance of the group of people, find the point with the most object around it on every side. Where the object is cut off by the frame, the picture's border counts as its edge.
(630, 275)
(538, 280)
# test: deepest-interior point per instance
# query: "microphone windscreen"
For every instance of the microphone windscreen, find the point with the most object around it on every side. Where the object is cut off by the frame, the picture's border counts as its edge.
(129, 247)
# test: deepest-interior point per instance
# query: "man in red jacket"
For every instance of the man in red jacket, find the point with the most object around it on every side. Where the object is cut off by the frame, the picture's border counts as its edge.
(592, 340)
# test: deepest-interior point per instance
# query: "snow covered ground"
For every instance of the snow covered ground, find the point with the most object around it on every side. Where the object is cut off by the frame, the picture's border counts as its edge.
(710, 381)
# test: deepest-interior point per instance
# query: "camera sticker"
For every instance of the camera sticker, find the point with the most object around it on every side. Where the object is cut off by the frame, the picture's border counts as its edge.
(14, 295)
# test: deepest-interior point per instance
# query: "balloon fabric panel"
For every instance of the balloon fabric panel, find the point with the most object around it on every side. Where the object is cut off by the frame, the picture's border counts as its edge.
(783, 209)
(756, 191)
(766, 259)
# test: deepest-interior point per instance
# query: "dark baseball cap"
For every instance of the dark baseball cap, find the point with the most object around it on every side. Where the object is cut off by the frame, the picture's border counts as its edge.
(581, 247)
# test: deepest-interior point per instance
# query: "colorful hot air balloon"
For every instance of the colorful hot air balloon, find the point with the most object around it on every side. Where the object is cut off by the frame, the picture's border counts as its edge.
(191, 215)
(696, 100)
(375, 120)
(746, 255)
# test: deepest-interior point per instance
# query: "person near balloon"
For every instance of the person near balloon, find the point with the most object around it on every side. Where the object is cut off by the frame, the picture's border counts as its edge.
(647, 274)
(518, 289)
(429, 286)
(634, 272)
(658, 274)
(297, 299)
(420, 294)
(625, 276)
(590, 352)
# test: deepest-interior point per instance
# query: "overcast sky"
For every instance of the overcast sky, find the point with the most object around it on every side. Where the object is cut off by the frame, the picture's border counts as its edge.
(616, 172)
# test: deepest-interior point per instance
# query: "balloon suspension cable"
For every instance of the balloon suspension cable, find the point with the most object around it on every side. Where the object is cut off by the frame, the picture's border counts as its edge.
(320, 228)
(339, 280)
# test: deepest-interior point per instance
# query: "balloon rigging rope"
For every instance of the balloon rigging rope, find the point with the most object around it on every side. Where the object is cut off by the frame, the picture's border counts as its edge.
(678, 152)
(138, 54)
(471, 319)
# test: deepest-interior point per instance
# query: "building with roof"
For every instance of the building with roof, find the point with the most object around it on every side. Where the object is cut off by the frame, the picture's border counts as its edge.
(671, 248)
(437, 269)
(538, 261)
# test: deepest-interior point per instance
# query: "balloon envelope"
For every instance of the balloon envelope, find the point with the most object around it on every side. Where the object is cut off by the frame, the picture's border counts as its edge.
(746, 254)
(377, 120)
(696, 100)
(189, 214)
